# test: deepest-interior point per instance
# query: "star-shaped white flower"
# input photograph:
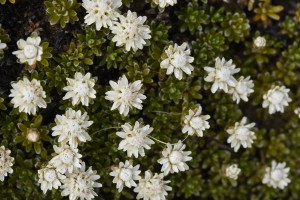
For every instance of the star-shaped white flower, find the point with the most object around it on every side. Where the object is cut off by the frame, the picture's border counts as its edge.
(6, 162)
(125, 95)
(174, 158)
(260, 42)
(28, 95)
(177, 59)
(125, 174)
(276, 176)
(221, 75)
(276, 99)
(80, 184)
(194, 122)
(152, 187)
(49, 178)
(101, 12)
(232, 171)
(66, 159)
(165, 3)
(135, 139)
(240, 134)
(72, 127)
(242, 90)
(80, 89)
(29, 51)
(131, 31)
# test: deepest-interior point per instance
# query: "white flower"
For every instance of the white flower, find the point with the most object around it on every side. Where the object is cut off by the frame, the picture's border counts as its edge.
(152, 187)
(72, 127)
(177, 59)
(195, 122)
(297, 112)
(240, 134)
(232, 171)
(277, 175)
(221, 75)
(80, 89)
(101, 12)
(260, 42)
(29, 51)
(33, 135)
(165, 3)
(49, 178)
(2, 47)
(135, 139)
(131, 31)
(125, 174)
(6, 162)
(276, 99)
(66, 159)
(80, 184)
(174, 158)
(28, 95)
(242, 89)
(125, 95)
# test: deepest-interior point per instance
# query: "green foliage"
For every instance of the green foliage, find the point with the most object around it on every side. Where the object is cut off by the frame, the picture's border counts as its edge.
(212, 29)
(192, 17)
(236, 26)
(61, 11)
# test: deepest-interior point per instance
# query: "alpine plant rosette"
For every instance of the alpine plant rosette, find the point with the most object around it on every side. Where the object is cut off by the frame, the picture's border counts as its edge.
(80, 184)
(221, 75)
(80, 89)
(232, 171)
(67, 159)
(101, 12)
(29, 51)
(135, 139)
(152, 187)
(195, 123)
(131, 31)
(28, 95)
(176, 59)
(125, 175)
(241, 135)
(49, 178)
(125, 95)
(6, 163)
(276, 176)
(276, 99)
(72, 127)
(174, 158)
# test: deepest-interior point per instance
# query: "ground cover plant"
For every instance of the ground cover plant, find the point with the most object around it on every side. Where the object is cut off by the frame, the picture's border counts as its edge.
(149, 99)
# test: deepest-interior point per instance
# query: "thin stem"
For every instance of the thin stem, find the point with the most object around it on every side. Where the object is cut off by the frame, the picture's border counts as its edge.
(106, 129)
(164, 142)
(157, 140)
(170, 113)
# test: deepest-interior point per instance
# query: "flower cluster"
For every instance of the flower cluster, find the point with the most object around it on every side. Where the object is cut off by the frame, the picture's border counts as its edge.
(80, 89)
(6, 162)
(28, 95)
(72, 127)
(240, 134)
(177, 59)
(222, 77)
(194, 122)
(276, 99)
(125, 95)
(29, 51)
(276, 176)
